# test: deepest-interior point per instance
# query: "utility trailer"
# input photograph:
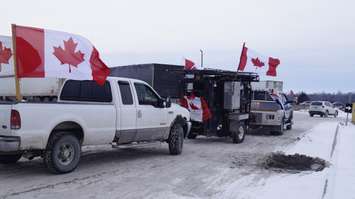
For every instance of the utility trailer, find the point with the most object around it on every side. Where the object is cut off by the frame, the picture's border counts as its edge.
(226, 93)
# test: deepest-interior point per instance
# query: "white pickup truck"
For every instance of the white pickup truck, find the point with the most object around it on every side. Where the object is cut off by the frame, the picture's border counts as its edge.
(123, 111)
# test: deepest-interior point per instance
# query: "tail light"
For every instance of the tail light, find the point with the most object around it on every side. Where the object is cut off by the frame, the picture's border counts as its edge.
(15, 120)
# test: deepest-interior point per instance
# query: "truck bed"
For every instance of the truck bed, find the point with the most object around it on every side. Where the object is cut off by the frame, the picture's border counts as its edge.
(37, 119)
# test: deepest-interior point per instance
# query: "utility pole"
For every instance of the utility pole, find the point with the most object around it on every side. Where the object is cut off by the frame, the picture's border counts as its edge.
(201, 51)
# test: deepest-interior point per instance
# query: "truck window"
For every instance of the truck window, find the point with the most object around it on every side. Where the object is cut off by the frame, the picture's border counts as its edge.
(126, 94)
(87, 90)
(262, 95)
(145, 95)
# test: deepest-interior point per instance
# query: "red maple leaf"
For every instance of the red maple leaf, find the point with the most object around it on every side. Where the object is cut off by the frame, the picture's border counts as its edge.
(256, 62)
(5, 54)
(68, 54)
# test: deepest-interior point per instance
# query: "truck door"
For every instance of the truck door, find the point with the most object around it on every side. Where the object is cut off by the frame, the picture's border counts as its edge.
(151, 119)
(127, 114)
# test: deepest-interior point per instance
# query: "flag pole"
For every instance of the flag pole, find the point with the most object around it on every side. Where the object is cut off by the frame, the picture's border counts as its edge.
(17, 81)
(241, 53)
(201, 51)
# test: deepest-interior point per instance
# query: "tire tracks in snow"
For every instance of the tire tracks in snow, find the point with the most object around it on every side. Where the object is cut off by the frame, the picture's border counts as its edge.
(52, 186)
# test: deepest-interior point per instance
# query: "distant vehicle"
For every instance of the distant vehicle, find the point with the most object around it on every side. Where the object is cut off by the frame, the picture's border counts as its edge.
(322, 108)
(122, 111)
(339, 105)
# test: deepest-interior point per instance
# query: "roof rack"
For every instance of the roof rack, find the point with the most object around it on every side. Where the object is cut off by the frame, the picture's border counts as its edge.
(225, 75)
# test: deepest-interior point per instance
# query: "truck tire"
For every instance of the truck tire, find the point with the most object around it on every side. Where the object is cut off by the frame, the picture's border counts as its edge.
(280, 129)
(336, 114)
(62, 154)
(10, 159)
(176, 139)
(239, 135)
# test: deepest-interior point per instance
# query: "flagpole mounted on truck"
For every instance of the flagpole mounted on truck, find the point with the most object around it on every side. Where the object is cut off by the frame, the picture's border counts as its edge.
(17, 81)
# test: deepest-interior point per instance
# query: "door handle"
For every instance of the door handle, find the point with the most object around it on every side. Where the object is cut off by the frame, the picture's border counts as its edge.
(139, 114)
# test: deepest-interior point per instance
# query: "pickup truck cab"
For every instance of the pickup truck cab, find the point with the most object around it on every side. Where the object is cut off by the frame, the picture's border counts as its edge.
(122, 111)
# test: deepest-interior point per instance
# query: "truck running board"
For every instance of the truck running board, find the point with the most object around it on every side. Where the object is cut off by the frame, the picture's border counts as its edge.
(136, 145)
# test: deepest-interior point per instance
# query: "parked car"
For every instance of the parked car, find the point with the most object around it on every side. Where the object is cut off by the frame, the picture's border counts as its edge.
(122, 111)
(323, 109)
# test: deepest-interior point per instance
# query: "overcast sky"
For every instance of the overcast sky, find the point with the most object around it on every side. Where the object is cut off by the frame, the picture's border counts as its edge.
(314, 39)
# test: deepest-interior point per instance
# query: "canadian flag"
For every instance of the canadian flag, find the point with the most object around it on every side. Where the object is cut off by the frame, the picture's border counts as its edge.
(6, 61)
(252, 59)
(197, 106)
(48, 53)
(189, 65)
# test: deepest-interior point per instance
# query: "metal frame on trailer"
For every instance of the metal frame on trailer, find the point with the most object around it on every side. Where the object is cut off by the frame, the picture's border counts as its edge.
(223, 121)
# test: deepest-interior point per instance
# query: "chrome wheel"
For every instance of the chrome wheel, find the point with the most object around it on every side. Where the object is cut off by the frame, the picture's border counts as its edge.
(65, 154)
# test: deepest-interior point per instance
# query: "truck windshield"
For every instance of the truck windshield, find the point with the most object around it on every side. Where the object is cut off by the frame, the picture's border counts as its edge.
(265, 106)
(262, 95)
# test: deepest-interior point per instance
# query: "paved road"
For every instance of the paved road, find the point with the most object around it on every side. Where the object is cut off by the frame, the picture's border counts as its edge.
(204, 170)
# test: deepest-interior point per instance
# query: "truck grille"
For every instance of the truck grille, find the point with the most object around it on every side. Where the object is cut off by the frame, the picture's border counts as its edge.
(256, 117)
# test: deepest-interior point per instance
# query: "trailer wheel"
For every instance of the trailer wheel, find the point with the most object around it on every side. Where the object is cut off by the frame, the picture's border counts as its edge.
(10, 159)
(289, 127)
(176, 139)
(62, 154)
(239, 135)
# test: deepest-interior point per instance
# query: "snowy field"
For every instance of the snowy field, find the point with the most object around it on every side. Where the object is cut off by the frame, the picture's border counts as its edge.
(208, 168)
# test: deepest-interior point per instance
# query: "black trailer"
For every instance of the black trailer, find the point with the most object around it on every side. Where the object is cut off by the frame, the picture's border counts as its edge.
(166, 79)
(227, 93)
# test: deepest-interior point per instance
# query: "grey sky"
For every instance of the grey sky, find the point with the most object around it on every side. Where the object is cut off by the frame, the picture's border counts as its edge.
(314, 39)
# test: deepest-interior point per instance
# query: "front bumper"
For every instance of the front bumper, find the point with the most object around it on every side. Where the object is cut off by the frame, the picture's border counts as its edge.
(9, 143)
(265, 119)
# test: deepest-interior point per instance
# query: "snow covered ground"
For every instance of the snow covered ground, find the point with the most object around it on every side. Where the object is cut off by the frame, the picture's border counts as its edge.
(317, 142)
(341, 179)
(208, 168)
